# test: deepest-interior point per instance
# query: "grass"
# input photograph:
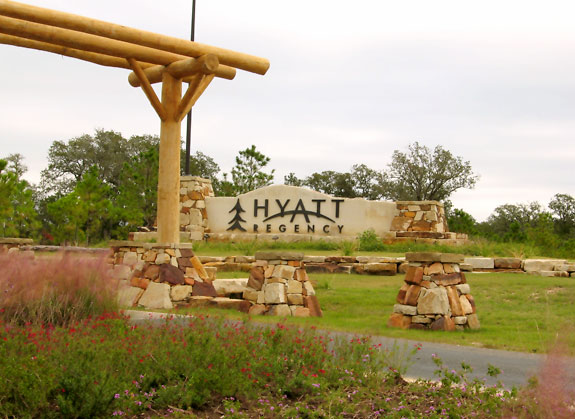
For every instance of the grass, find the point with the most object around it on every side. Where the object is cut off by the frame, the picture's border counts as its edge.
(517, 312)
(475, 247)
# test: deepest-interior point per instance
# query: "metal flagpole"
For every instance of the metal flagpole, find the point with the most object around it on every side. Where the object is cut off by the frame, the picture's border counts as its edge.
(189, 118)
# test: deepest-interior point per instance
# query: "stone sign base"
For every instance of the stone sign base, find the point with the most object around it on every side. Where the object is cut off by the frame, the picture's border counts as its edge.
(435, 295)
(156, 276)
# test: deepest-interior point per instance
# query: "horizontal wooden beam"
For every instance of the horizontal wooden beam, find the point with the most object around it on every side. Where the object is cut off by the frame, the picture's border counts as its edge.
(223, 72)
(101, 59)
(185, 68)
(133, 36)
(85, 42)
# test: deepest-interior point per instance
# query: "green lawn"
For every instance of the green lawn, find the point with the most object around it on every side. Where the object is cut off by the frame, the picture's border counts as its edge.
(517, 312)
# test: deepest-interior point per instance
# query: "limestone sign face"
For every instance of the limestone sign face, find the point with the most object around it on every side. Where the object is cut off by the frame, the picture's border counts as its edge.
(289, 210)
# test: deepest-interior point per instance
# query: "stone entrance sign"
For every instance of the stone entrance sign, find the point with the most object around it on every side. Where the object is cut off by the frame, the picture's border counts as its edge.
(291, 212)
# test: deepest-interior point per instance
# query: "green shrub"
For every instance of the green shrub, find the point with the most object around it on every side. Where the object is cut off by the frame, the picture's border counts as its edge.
(369, 242)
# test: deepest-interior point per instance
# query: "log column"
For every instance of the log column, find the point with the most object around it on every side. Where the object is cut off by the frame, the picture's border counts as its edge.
(169, 170)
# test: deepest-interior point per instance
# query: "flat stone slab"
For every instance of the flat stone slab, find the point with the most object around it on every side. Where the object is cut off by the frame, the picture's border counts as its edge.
(279, 256)
(480, 262)
(533, 265)
(156, 296)
(230, 286)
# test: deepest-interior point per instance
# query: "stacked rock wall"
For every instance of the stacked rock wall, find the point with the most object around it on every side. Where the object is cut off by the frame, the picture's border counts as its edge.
(423, 221)
(193, 214)
(278, 285)
(10, 245)
(163, 277)
(435, 295)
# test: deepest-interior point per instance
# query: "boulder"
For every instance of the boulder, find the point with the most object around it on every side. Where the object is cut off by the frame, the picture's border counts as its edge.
(156, 296)
(312, 303)
(298, 311)
(203, 289)
(257, 310)
(231, 303)
(294, 287)
(433, 301)
(129, 296)
(281, 310)
(230, 286)
(275, 294)
(537, 265)
(414, 275)
(507, 263)
(404, 309)
(399, 320)
(171, 274)
(381, 268)
(480, 263)
(295, 299)
(180, 292)
(473, 322)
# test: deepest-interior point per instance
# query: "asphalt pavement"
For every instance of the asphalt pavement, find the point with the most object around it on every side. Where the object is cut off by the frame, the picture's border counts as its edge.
(516, 367)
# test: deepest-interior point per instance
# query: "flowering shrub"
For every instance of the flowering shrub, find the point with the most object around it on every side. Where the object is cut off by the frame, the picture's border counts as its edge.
(56, 290)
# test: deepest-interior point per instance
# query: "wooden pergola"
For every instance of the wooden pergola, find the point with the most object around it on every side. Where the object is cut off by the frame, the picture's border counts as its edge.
(153, 58)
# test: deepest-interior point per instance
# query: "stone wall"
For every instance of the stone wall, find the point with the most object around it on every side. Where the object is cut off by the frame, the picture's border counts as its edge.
(10, 244)
(164, 277)
(435, 295)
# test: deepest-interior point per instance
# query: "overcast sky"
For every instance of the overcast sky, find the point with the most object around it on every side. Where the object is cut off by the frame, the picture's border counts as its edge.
(350, 82)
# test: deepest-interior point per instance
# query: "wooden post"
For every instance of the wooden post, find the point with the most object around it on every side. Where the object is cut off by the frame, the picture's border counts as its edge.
(169, 171)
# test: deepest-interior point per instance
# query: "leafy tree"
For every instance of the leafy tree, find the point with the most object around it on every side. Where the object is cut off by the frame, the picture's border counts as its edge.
(292, 180)
(422, 174)
(248, 173)
(18, 215)
(563, 208)
(203, 165)
(108, 151)
(462, 222)
(82, 214)
(510, 222)
(366, 182)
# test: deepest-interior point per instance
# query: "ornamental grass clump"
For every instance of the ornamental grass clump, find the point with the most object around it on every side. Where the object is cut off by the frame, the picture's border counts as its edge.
(56, 291)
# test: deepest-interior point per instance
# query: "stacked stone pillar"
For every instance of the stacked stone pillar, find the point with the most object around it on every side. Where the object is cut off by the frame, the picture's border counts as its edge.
(279, 286)
(435, 295)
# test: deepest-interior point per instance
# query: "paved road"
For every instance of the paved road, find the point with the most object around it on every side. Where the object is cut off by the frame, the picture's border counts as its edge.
(516, 367)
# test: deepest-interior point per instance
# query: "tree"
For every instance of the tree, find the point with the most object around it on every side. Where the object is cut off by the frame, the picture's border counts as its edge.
(461, 222)
(421, 174)
(563, 208)
(69, 160)
(366, 182)
(511, 222)
(203, 166)
(18, 215)
(292, 180)
(248, 173)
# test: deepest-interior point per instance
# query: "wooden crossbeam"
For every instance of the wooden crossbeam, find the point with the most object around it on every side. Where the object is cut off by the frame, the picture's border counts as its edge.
(192, 95)
(148, 89)
(132, 36)
(184, 69)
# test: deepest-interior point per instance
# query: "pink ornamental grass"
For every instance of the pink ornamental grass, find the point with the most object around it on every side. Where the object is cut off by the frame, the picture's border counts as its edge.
(57, 290)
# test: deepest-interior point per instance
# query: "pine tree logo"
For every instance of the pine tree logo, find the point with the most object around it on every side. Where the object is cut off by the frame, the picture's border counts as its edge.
(235, 222)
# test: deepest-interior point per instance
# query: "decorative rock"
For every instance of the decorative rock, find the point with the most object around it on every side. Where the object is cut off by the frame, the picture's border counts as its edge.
(152, 272)
(294, 287)
(275, 294)
(251, 295)
(295, 299)
(225, 287)
(465, 267)
(284, 271)
(531, 265)
(412, 295)
(312, 303)
(447, 280)
(399, 320)
(480, 263)
(257, 310)
(129, 296)
(308, 288)
(156, 296)
(404, 309)
(301, 275)
(421, 319)
(473, 322)
(414, 275)
(279, 256)
(281, 310)
(463, 288)
(299, 311)
(203, 289)
(433, 301)
(381, 268)
(402, 293)
(434, 269)
(454, 302)
(471, 302)
(451, 258)
(171, 274)
(180, 292)
(460, 320)
(130, 258)
(423, 257)
(443, 323)
(507, 263)
(139, 282)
